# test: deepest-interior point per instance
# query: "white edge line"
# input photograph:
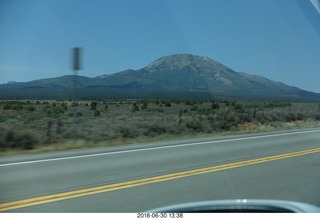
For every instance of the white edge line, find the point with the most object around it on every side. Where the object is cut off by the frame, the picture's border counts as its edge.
(157, 148)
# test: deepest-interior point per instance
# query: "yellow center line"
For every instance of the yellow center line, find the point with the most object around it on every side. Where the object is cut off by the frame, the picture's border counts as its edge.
(117, 186)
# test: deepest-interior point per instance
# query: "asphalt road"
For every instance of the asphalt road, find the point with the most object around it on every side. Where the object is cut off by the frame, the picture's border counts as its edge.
(135, 178)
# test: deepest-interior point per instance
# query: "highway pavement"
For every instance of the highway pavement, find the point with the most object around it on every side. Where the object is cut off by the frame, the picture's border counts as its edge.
(133, 178)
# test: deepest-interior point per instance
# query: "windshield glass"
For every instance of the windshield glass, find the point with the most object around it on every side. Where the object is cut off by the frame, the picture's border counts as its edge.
(127, 106)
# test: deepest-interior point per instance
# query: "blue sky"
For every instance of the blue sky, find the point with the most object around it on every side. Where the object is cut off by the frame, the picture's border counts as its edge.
(276, 39)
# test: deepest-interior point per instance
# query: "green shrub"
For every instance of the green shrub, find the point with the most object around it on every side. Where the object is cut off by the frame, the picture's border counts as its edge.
(64, 106)
(97, 113)
(27, 140)
(215, 106)
(17, 107)
(6, 107)
(31, 108)
(127, 132)
(144, 105)
(238, 107)
(93, 105)
(300, 116)
(134, 108)
(194, 108)
(3, 143)
(59, 126)
(154, 130)
(74, 104)
(3, 118)
(20, 140)
(57, 109)
(167, 104)
(195, 126)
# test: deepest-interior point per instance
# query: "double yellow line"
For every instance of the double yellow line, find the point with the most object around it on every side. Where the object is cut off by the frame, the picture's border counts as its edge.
(117, 186)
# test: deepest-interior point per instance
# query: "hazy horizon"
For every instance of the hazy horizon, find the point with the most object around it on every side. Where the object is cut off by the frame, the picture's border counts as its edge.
(278, 40)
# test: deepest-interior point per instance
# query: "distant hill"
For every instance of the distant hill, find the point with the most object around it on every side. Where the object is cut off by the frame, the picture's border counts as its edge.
(174, 76)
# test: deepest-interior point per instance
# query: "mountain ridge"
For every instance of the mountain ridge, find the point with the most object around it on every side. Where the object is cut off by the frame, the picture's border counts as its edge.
(178, 73)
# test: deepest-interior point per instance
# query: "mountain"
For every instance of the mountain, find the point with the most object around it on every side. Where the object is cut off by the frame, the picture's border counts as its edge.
(176, 76)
